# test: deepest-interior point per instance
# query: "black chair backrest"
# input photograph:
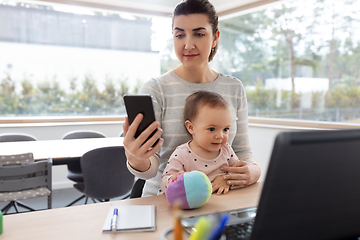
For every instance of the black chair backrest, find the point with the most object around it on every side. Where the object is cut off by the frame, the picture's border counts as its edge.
(137, 189)
(105, 173)
(83, 134)
(16, 137)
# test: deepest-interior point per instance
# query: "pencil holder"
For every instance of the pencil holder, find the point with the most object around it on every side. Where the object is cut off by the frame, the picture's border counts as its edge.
(192, 189)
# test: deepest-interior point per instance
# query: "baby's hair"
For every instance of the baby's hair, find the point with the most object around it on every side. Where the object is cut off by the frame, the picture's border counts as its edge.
(199, 99)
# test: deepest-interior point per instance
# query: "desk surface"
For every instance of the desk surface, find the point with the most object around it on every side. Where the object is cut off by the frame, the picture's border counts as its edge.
(58, 150)
(86, 221)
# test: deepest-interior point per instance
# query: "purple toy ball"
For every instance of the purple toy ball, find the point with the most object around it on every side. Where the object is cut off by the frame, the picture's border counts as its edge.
(192, 189)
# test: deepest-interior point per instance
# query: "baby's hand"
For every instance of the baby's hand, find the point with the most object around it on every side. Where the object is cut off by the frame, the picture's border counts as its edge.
(220, 185)
(174, 177)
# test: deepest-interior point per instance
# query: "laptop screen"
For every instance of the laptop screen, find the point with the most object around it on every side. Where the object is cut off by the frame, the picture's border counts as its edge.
(312, 187)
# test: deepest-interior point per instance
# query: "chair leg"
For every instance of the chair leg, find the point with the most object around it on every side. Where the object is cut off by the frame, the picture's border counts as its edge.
(76, 200)
(24, 206)
(16, 206)
(7, 207)
(49, 203)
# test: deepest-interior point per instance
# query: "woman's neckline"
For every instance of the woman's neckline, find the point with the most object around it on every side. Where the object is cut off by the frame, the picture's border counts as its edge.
(184, 80)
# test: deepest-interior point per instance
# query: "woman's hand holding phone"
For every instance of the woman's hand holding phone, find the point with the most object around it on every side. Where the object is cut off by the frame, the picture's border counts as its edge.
(141, 133)
(139, 150)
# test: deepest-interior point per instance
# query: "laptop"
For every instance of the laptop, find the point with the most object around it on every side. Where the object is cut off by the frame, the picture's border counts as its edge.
(311, 190)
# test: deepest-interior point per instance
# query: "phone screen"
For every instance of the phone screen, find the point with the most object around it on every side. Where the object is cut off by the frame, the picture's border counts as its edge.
(143, 104)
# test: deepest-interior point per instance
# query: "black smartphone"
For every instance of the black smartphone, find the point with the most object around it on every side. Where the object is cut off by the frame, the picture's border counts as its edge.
(135, 104)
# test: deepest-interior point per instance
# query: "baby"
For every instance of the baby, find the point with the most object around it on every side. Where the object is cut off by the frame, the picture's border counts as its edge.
(207, 118)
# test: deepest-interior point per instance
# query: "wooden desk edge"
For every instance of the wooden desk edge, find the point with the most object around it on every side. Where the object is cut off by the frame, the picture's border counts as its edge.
(86, 221)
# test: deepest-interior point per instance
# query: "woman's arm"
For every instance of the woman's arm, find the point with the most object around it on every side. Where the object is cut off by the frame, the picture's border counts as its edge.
(241, 173)
(139, 154)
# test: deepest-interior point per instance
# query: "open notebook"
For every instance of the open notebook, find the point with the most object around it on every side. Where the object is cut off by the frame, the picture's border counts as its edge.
(132, 218)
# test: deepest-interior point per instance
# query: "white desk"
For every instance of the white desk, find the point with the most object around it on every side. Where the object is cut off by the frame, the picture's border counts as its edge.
(61, 151)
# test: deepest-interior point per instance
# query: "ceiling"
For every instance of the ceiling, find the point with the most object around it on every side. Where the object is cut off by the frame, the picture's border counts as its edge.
(162, 7)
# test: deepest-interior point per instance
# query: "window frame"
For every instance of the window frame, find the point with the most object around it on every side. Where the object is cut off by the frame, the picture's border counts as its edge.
(273, 123)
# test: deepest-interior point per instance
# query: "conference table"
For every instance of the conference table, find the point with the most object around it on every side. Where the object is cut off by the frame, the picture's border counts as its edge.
(86, 221)
(61, 151)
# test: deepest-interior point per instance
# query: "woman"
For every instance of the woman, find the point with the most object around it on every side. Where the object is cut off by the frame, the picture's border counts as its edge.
(195, 35)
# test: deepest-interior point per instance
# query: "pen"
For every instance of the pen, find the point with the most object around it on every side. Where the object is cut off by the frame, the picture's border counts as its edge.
(217, 231)
(113, 225)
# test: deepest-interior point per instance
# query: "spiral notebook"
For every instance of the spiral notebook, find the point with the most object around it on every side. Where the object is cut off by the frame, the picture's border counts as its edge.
(132, 218)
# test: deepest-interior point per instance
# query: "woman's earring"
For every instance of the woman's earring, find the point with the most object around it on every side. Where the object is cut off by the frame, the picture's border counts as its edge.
(212, 50)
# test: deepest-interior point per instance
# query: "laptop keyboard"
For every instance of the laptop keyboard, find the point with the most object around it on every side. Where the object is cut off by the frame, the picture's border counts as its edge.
(239, 225)
(239, 230)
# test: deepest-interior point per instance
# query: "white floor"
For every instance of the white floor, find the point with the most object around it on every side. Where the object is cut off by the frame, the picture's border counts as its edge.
(60, 198)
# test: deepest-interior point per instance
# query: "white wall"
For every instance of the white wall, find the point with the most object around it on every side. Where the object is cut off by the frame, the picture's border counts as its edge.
(261, 141)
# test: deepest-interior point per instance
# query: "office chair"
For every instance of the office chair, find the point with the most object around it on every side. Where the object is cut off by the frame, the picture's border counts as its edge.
(74, 169)
(105, 174)
(22, 178)
(137, 189)
(16, 137)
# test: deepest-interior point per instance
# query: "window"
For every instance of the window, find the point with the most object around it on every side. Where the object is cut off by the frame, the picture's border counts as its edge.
(297, 59)
(59, 60)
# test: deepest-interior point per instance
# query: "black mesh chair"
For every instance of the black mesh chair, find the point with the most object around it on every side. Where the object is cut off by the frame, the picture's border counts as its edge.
(105, 174)
(16, 137)
(74, 169)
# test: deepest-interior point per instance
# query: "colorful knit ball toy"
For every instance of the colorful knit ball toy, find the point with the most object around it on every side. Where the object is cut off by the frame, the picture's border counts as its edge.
(191, 189)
